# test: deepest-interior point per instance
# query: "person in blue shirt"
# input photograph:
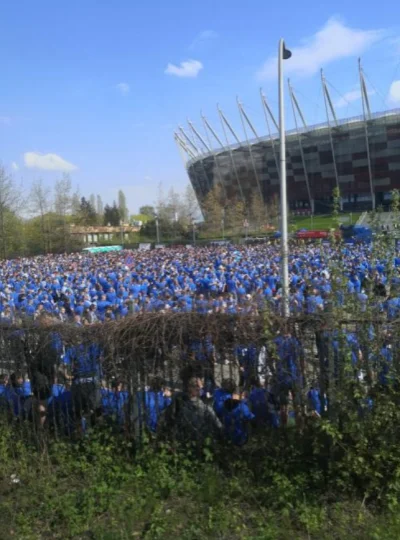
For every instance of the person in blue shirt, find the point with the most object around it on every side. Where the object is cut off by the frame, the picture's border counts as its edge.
(85, 361)
(236, 417)
(264, 405)
(61, 416)
(289, 369)
(228, 387)
(152, 402)
(114, 401)
(248, 362)
(314, 401)
(16, 396)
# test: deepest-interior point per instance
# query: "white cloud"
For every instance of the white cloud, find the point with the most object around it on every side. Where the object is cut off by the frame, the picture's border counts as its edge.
(123, 88)
(14, 166)
(350, 97)
(334, 41)
(47, 162)
(190, 68)
(6, 120)
(394, 92)
(203, 39)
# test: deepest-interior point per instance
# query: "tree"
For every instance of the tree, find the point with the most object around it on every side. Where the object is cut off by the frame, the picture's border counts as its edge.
(235, 215)
(99, 210)
(10, 204)
(190, 207)
(87, 214)
(40, 200)
(147, 210)
(92, 200)
(123, 209)
(62, 203)
(213, 210)
(273, 209)
(258, 211)
(395, 205)
(111, 215)
(75, 203)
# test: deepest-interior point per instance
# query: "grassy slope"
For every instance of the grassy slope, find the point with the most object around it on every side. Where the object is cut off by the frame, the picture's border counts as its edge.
(320, 222)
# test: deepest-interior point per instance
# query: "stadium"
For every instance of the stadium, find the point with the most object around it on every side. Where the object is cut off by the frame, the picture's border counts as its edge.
(359, 155)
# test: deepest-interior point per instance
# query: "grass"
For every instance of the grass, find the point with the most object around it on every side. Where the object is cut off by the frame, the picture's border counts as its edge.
(325, 222)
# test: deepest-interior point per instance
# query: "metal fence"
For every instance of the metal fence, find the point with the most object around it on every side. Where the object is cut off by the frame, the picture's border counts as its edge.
(170, 372)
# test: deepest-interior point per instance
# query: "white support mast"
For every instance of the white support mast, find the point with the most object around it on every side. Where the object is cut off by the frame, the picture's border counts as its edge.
(366, 116)
(243, 117)
(225, 124)
(189, 140)
(267, 111)
(215, 156)
(183, 146)
(295, 105)
(328, 102)
(210, 180)
(197, 134)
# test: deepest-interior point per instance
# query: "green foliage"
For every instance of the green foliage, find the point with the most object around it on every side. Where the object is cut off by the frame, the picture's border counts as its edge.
(395, 205)
(87, 213)
(336, 206)
(144, 218)
(112, 215)
(147, 210)
(123, 209)
(329, 480)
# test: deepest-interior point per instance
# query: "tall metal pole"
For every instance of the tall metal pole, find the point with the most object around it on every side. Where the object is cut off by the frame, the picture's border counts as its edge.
(283, 54)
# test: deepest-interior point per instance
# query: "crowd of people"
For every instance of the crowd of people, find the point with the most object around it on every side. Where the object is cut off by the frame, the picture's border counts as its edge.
(64, 387)
(87, 289)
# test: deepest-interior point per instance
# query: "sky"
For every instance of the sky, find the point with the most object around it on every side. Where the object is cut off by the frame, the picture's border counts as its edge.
(96, 88)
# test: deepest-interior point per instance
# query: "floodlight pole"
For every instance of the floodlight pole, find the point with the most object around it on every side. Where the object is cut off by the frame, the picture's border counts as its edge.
(283, 54)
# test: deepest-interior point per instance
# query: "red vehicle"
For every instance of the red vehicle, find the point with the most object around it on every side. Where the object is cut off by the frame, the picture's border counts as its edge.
(312, 235)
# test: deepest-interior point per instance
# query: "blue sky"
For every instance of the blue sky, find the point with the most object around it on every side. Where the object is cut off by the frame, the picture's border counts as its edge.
(97, 88)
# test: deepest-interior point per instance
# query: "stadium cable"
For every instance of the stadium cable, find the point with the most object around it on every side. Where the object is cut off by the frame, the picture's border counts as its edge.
(349, 103)
(319, 109)
(396, 69)
(384, 101)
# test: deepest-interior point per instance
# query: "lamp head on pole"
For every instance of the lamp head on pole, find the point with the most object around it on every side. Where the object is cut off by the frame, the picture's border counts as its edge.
(286, 54)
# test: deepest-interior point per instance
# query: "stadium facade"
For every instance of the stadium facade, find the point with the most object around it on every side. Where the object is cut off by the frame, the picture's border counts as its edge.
(359, 155)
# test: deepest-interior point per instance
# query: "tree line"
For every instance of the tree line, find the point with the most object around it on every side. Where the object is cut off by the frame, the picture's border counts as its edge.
(40, 222)
(231, 215)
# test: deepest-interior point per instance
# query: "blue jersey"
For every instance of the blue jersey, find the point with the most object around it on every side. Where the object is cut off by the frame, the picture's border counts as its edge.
(85, 361)
(314, 400)
(289, 352)
(264, 408)
(236, 416)
(151, 405)
(220, 396)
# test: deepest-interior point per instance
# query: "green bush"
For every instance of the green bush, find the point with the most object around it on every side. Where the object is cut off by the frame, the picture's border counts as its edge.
(326, 481)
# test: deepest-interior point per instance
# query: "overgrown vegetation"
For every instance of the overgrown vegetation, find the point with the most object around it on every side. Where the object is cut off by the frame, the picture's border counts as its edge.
(334, 476)
(322, 483)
